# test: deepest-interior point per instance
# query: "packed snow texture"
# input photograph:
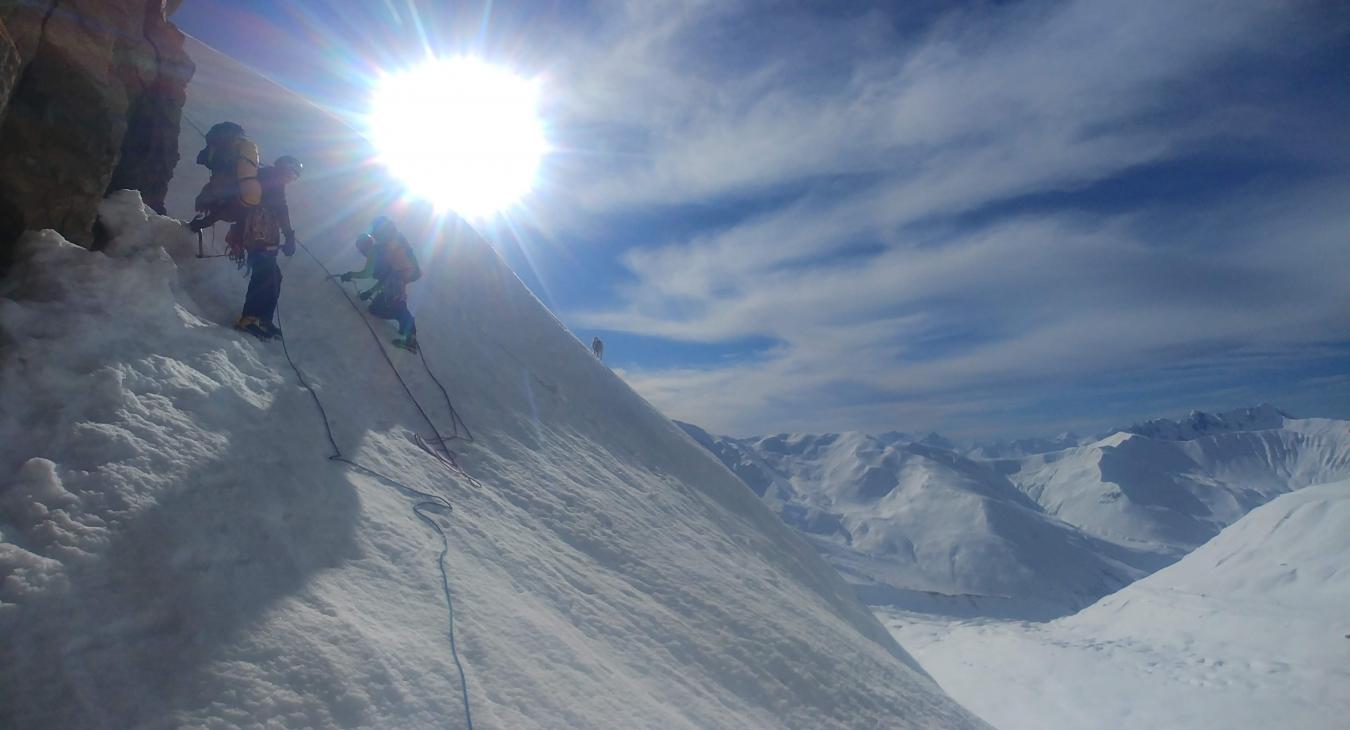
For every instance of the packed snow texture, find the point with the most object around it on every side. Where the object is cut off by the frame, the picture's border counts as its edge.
(921, 527)
(1248, 632)
(178, 551)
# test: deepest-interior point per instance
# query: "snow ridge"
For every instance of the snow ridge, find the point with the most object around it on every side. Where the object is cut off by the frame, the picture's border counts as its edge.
(1199, 423)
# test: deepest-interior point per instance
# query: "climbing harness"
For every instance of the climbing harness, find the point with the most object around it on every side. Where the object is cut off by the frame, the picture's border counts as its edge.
(425, 501)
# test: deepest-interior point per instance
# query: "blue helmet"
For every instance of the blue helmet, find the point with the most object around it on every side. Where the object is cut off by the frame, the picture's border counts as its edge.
(288, 162)
(380, 224)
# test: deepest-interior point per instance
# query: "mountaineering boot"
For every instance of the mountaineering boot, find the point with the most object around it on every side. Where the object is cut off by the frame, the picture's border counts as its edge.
(271, 329)
(408, 343)
(253, 326)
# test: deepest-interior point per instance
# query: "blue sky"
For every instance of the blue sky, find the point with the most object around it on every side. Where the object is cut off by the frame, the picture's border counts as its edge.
(982, 218)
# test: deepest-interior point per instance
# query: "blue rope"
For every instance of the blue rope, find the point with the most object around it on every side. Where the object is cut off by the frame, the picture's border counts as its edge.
(455, 421)
(426, 501)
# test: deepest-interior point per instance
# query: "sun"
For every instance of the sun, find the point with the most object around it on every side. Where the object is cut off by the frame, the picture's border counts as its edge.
(460, 133)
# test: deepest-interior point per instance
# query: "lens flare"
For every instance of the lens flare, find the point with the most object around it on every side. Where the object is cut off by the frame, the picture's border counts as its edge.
(460, 133)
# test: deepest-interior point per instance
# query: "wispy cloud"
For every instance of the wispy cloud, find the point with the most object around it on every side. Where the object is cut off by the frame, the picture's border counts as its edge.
(891, 305)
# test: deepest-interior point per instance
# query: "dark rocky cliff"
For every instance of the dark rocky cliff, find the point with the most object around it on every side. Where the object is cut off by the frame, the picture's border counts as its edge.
(91, 96)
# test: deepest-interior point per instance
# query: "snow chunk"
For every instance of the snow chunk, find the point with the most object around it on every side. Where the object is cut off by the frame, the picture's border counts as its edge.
(139, 231)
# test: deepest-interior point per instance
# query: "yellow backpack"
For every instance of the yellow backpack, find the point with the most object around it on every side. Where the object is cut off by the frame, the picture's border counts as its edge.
(233, 160)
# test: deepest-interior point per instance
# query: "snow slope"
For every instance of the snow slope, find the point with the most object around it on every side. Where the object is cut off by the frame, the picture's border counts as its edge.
(176, 550)
(924, 528)
(1248, 631)
(920, 527)
(1169, 496)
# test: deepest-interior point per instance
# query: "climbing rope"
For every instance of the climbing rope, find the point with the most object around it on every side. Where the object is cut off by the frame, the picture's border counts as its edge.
(193, 124)
(425, 501)
(457, 422)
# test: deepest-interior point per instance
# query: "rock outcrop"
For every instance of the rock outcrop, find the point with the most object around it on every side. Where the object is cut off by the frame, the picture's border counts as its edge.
(96, 99)
(9, 66)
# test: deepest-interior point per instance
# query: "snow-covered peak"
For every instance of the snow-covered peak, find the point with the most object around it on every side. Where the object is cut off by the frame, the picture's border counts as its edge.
(1171, 495)
(1019, 448)
(1200, 423)
(919, 525)
(884, 510)
(938, 441)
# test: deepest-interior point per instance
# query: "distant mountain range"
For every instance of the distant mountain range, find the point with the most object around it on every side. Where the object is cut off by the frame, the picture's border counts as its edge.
(1033, 528)
(1198, 423)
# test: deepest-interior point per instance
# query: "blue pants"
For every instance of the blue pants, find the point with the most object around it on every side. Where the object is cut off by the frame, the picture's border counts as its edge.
(264, 286)
(394, 305)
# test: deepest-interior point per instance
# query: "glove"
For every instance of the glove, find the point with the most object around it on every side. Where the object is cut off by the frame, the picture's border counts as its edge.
(289, 247)
(347, 276)
(366, 294)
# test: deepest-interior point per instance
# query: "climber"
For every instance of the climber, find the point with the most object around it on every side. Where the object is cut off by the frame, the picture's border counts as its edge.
(598, 348)
(258, 234)
(391, 263)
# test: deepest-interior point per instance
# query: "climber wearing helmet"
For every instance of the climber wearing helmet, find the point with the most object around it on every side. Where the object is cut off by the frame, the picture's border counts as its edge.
(260, 234)
(391, 263)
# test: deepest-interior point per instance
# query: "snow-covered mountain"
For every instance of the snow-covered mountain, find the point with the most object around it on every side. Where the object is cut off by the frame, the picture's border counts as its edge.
(1018, 448)
(1034, 536)
(178, 550)
(925, 528)
(1247, 632)
(1198, 423)
(1169, 496)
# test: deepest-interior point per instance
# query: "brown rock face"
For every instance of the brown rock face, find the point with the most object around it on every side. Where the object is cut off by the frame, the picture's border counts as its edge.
(9, 67)
(150, 147)
(96, 106)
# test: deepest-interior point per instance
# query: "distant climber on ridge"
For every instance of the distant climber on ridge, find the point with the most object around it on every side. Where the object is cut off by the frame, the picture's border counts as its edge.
(258, 235)
(391, 263)
(598, 348)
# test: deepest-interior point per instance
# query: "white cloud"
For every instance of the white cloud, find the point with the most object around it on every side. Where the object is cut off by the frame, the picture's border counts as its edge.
(981, 107)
